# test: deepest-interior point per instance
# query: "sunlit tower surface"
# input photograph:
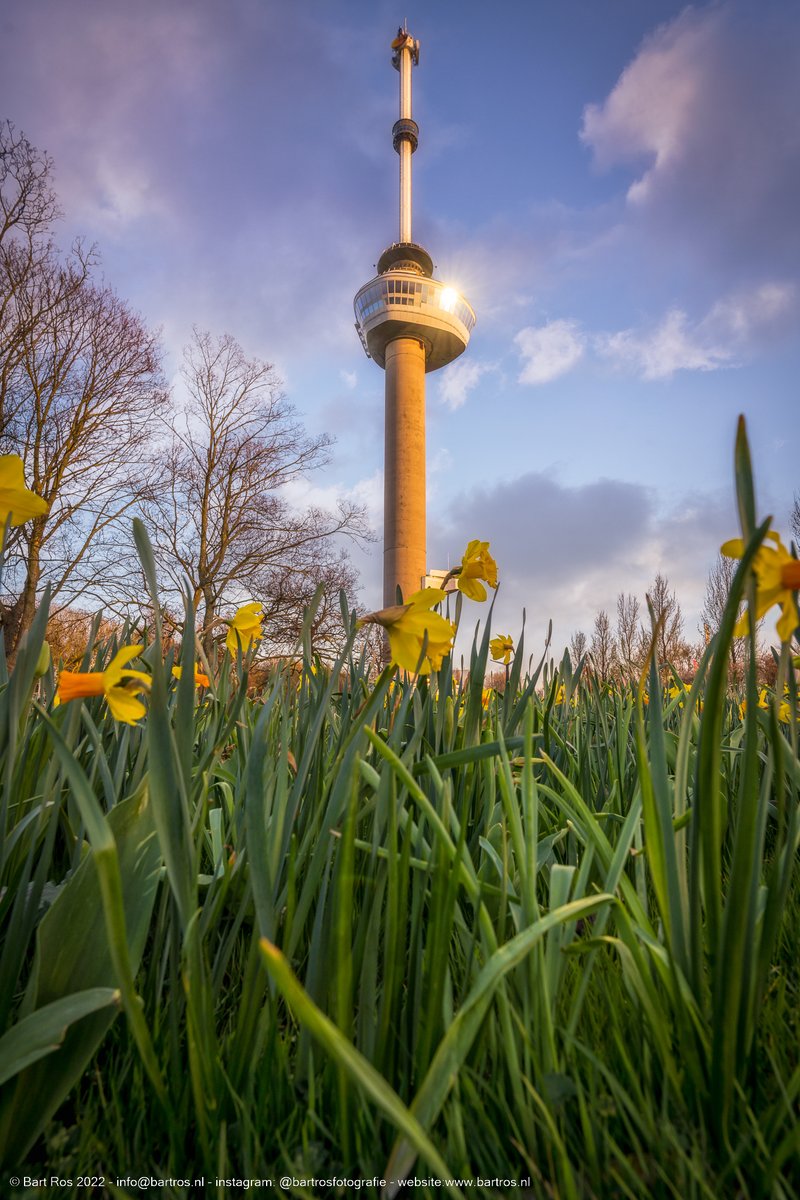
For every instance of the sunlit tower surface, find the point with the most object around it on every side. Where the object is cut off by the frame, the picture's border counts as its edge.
(410, 324)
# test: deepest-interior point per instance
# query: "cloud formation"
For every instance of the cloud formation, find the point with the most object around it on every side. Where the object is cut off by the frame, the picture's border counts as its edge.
(566, 552)
(671, 346)
(649, 113)
(733, 329)
(720, 339)
(106, 94)
(549, 351)
(175, 146)
(459, 380)
(706, 113)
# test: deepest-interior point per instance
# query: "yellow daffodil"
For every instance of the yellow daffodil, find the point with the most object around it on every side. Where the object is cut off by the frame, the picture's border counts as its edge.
(200, 680)
(245, 628)
(502, 647)
(120, 697)
(314, 669)
(486, 696)
(784, 712)
(406, 626)
(560, 694)
(763, 702)
(476, 565)
(16, 500)
(777, 579)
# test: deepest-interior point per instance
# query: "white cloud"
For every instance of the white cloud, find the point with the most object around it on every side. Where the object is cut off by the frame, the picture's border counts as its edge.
(650, 111)
(349, 379)
(549, 351)
(459, 380)
(301, 493)
(746, 315)
(672, 346)
(705, 119)
(720, 339)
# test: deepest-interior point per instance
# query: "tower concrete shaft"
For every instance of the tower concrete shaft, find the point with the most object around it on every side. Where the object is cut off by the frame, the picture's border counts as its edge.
(410, 324)
(404, 469)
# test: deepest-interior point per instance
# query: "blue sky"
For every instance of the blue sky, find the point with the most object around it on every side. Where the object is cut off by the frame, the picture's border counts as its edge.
(614, 186)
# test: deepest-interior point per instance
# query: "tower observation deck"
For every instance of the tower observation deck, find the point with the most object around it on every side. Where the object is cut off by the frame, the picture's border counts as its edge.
(410, 324)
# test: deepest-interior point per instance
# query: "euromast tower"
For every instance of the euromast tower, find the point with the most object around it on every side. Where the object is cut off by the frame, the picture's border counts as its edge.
(410, 324)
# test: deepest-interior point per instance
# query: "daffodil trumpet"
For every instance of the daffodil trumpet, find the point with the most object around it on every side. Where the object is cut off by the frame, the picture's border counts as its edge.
(119, 686)
(200, 678)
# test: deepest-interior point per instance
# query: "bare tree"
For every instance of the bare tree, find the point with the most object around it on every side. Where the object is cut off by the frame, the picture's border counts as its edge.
(631, 644)
(766, 667)
(71, 630)
(219, 519)
(83, 396)
(577, 647)
(290, 585)
(79, 381)
(671, 646)
(601, 648)
(718, 586)
(28, 204)
(28, 210)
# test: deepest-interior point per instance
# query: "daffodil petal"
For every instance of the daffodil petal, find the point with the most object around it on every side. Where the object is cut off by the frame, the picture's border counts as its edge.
(473, 589)
(113, 672)
(255, 606)
(788, 621)
(23, 505)
(124, 705)
(16, 501)
(405, 649)
(426, 598)
(140, 675)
